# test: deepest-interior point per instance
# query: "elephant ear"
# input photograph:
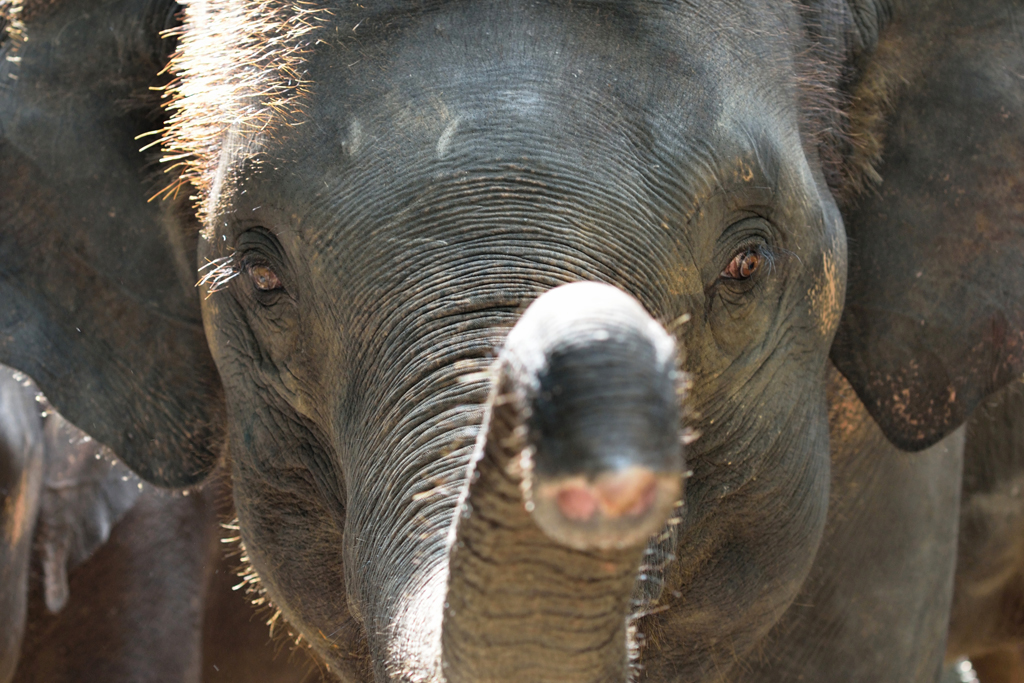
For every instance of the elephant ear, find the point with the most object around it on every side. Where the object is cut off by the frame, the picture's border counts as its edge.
(934, 317)
(97, 282)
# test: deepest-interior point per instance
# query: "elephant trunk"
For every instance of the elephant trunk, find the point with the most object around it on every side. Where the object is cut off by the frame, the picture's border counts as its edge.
(578, 462)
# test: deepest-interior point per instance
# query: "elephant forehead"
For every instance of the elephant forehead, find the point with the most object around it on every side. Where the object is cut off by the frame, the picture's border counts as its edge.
(463, 174)
(249, 72)
(416, 117)
(558, 70)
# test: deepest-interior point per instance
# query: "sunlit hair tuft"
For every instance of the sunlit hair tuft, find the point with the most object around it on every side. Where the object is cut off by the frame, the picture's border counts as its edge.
(238, 76)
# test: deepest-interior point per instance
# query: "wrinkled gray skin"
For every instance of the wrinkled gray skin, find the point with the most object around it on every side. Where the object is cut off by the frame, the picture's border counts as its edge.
(386, 393)
(402, 298)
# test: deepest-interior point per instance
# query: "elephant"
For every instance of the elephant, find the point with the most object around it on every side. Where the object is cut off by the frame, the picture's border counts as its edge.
(543, 341)
(62, 495)
(988, 590)
(74, 517)
(155, 604)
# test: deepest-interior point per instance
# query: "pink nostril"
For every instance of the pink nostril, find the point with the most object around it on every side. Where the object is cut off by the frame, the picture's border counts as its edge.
(631, 492)
(616, 509)
(577, 503)
(627, 493)
(645, 501)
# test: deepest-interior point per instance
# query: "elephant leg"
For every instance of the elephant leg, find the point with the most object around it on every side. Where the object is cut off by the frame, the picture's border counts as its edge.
(135, 608)
(987, 622)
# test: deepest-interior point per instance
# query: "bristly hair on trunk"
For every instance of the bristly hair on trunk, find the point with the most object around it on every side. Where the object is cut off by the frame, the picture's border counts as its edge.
(280, 632)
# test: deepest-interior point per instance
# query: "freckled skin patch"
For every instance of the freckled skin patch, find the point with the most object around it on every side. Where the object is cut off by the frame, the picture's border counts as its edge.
(846, 414)
(826, 295)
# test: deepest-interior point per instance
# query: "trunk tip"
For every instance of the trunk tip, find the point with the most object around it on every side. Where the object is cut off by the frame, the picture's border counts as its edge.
(602, 410)
(616, 509)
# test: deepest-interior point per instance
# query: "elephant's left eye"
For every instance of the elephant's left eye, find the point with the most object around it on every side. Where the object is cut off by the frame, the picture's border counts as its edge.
(263, 277)
(743, 265)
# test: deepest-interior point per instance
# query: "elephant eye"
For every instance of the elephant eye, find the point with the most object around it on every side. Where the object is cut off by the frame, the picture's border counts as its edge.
(263, 277)
(743, 265)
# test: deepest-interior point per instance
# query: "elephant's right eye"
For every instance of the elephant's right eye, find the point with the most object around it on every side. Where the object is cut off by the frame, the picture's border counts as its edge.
(263, 277)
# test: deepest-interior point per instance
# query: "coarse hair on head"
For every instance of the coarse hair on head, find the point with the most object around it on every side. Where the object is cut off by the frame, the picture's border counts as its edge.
(238, 75)
(12, 31)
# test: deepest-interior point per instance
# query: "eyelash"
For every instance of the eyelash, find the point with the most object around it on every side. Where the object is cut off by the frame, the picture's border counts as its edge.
(219, 272)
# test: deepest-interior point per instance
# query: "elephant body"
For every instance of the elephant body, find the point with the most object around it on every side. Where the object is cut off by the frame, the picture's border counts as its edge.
(155, 604)
(62, 497)
(546, 341)
(107, 579)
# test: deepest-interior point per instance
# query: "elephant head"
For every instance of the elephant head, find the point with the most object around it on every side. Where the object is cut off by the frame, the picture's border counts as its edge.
(451, 461)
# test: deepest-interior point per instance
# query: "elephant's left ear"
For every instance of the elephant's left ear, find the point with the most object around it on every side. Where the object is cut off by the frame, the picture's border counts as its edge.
(934, 317)
(97, 296)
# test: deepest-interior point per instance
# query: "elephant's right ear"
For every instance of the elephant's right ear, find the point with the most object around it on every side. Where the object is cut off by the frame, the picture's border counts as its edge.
(934, 317)
(97, 302)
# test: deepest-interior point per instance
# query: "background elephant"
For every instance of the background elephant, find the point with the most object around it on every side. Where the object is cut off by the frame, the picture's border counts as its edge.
(433, 484)
(105, 579)
(155, 604)
(61, 497)
(987, 604)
